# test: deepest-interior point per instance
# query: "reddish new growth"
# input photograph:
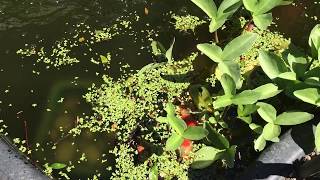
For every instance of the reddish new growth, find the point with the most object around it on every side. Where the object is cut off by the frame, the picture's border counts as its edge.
(186, 146)
(140, 149)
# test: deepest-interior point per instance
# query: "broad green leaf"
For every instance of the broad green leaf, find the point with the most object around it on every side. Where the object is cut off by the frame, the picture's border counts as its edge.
(315, 72)
(154, 173)
(267, 91)
(276, 139)
(245, 110)
(205, 157)
(177, 124)
(267, 112)
(232, 69)
(256, 128)
(222, 101)
(228, 84)
(170, 109)
(314, 41)
(195, 133)
(213, 51)
(262, 21)
(288, 76)
(262, 6)
(246, 119)
(169, 51)
(271, 131)
(259, 143)
(293, 118)
(271, 64)
(229, 155)
(309, 95)
(228, 7)
(238, 46)
(57, 166)
(216, 24)
(298, 65)
(317, 138)
(208, 6)
(216, 139)
(246, 97)
(313, 81)
(162, 120)
(173, 142)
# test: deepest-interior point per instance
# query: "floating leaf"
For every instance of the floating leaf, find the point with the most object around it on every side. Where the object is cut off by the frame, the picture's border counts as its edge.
(238, 46)
(267, 112)
(173, 142)
(195, 133)
(262, 21)
(58, 166)
(205, 157)
(293, 118)
(271, 131)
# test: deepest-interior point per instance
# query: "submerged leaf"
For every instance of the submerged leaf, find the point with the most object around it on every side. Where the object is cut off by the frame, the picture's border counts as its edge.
(58, 166)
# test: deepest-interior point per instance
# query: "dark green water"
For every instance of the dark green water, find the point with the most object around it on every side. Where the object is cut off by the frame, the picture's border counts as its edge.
(43, 22)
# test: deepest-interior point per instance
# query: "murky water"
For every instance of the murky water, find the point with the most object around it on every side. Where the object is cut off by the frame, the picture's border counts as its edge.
(42, 103)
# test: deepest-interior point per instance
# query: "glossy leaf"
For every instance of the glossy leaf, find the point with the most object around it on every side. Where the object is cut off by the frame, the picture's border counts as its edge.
(246, 97)
(262, 21)
(271, 131)
(222, 101)
(177, 124)
(195, 133)
(314, 41)
(267, 112)
(216, 139)
(228, 84)
(293, 118)
(238, 46)
(271, 64)
(232, 69)
(58, 166)
(309, 95)
(213, 51)
(173, 142)
(267, 91)
(205, 157)
(260, 143)
(245, 110)
(317, 138)
(208, 6)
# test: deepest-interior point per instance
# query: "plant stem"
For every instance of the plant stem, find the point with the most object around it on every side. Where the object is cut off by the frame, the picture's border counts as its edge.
(216, 37)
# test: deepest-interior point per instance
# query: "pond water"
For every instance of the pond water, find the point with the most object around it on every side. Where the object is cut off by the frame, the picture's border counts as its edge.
(40, 102)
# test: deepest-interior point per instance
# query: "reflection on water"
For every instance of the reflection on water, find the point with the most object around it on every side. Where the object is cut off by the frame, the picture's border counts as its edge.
(50, 100)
